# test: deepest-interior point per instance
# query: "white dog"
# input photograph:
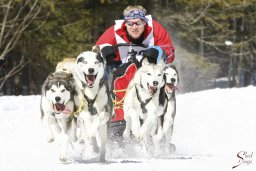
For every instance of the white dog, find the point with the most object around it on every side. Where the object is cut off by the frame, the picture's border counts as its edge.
(144, 101)
(57, 105)
(166, 121)
(89, 75)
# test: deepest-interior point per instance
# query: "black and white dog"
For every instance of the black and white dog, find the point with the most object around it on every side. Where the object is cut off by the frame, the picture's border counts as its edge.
(144, 101)
(166, 121)
(93, 94)
(57, 105)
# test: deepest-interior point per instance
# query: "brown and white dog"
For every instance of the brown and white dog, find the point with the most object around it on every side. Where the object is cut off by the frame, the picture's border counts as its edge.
(57, 105)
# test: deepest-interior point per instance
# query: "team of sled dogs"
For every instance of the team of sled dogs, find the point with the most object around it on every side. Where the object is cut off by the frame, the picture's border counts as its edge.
(76, 103)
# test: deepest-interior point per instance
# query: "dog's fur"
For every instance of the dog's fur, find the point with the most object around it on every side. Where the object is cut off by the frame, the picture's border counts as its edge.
(57, 105)
(166, 121)
(144, 101)
(66, 65)
(89, 75)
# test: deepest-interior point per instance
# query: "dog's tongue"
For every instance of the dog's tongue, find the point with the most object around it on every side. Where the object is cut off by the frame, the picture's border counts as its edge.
(90, 79)
(66, 111)
(169, 87)
(59, 106)
(153, 89)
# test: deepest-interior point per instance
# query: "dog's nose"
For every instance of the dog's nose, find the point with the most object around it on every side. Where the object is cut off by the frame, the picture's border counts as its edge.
(57, 99)
(91, 70)
(173, 80)
(155, 83)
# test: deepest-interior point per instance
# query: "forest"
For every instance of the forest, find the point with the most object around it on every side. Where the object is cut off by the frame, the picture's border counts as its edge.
(215, 40)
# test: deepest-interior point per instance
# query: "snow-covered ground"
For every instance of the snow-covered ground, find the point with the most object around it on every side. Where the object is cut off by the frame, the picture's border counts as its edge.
(214, 130)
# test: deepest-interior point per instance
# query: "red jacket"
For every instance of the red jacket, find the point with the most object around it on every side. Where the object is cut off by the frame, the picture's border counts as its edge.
(161, 38)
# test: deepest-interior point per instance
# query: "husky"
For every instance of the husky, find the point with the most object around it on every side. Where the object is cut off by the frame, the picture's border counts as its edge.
(89, 74)
(66, 65)
(144, 101)
(57, 105)
(166, 121)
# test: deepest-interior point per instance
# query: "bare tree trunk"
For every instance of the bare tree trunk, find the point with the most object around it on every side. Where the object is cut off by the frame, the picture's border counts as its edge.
(12, 27)
(201, 42)
(231, 71)
(18, 66)
(16, 17)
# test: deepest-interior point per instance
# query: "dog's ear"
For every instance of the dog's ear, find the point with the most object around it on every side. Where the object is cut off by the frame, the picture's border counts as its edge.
(172, 66)
(46, 85)
(145, 62)
(96, 49)
(51, 76)
(72, 84)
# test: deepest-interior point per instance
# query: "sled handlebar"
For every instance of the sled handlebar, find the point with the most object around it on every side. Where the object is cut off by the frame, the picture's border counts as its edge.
(130, 44)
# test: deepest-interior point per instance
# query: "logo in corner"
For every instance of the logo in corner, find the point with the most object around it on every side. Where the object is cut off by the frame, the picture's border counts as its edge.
(244, 158)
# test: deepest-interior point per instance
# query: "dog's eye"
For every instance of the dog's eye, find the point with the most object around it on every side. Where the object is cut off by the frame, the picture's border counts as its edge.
(97, 62)
(159, 75)
(52, 90)
(84, 62)
(63, 90)
(148, 73)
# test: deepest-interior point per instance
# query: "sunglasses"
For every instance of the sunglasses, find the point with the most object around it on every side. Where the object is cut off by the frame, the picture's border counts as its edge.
(137, 23)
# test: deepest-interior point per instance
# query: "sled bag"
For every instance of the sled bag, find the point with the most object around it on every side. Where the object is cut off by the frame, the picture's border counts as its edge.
(121, 78)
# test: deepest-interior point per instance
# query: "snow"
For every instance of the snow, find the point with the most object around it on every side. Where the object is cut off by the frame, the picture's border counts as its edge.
(211, 128)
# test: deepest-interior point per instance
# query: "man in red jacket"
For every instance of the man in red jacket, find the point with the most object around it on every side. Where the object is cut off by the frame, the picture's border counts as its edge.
(136, 28)
(139, 29)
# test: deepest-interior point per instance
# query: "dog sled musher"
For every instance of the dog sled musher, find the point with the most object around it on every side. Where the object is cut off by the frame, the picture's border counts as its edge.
(119, 75)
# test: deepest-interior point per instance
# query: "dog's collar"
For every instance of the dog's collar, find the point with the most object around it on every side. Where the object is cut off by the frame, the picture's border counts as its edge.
(54, 113)
(172, 96)
(142, 104)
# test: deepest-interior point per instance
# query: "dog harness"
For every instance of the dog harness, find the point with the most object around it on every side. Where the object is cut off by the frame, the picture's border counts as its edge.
(80, 108)
(91, 108)
(142, 104)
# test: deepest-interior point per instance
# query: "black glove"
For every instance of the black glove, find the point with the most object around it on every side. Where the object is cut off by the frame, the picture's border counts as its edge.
(154, 54)
(109, 53)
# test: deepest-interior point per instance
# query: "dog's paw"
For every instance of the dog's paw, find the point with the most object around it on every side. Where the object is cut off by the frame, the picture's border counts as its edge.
(63, 158)
(136, 133)
(81, 141)
(172, 148)
(139, 137)
(50, 139)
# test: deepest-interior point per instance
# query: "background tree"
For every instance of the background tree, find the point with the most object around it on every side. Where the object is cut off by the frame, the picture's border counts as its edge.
(204, 27)
(35, 35)
(16, 17)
